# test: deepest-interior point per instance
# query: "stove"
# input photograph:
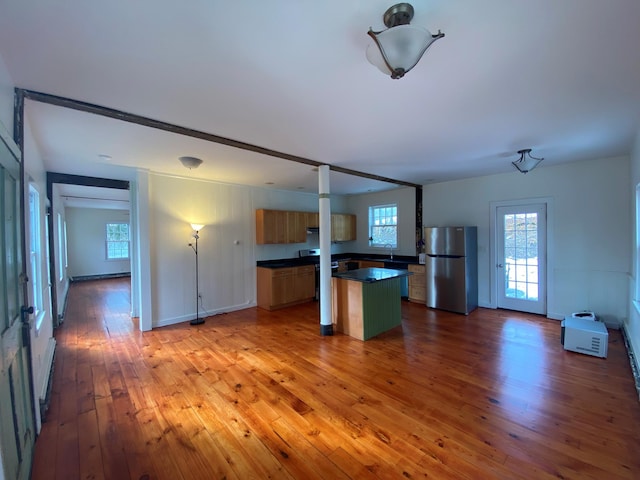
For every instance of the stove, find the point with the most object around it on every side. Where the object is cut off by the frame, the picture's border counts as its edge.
(313, 254)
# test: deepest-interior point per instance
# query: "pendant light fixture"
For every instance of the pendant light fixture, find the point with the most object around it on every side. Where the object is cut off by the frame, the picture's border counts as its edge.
(190, 162)
(399, 48)
(526, 162)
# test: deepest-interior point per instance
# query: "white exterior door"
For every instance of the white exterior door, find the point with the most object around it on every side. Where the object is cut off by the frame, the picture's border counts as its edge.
(17, 435)
(521, 232)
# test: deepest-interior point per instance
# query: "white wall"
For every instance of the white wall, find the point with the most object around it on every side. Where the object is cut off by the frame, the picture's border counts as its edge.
(227, 249)
(86, 240)
(60, 267)
(42, 342)
(405, 197)
(632, 324)
(6, 98)
(591, 223)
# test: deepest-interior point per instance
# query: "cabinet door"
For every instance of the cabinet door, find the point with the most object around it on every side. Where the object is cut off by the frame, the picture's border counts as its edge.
(417, 286)
(305, 282)
(296, 227)
(313, 219)
(370, 264)
(271, 226)
(337, 227)
(350, 226)
(282, 286)
(343, 227)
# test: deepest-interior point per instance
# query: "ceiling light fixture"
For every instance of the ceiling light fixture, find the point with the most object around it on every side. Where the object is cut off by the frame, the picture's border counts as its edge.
(401, 46)
(526, 162)
(190, 162)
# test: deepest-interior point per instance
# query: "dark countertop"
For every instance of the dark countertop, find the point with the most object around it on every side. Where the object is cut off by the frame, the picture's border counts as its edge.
(398, 261)
(370, 275)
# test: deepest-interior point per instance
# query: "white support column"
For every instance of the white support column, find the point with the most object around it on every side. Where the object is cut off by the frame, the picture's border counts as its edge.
(143, 245)
(324, 207)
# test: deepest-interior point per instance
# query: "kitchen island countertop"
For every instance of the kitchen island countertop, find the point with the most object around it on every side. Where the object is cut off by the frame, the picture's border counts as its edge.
(373, 274)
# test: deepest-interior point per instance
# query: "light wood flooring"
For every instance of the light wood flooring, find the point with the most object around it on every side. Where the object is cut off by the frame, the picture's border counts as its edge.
(257, 394)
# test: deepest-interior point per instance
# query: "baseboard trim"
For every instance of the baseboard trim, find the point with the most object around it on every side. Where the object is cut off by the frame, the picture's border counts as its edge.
(47, 383)
(207, 315)
(102, 276)
(633, 360)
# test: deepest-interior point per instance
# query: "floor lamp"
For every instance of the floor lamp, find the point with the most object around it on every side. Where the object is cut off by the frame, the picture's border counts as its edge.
(197, 228)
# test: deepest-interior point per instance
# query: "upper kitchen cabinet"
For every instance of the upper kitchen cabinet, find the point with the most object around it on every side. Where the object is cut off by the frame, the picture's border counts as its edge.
(280, 226)
(313, 219)
(271, 226)
(343, 227)
(296, 227)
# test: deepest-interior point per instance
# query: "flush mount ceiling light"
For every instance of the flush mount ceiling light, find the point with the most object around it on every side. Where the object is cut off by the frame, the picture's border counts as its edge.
(190, 162)
(526, 162)
(399, 48)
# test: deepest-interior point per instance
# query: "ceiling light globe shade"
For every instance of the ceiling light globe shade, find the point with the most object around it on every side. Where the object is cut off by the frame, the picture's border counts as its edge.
(526, 162)
(403, 46)
(190, 162)
(197, 226)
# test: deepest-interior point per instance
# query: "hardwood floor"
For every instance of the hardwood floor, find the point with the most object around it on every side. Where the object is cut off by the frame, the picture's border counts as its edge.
(257, 394)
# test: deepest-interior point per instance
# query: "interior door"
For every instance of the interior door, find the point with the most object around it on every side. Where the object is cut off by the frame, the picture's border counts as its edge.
(521, 257)
(17, 433)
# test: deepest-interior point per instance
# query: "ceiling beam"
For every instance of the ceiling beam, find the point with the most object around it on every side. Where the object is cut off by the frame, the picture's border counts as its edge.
(169, 127)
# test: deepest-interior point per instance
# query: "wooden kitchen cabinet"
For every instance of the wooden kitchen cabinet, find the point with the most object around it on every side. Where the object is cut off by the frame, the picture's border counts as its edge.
(296, 227)
(305, 283)
(370, 264)
(281, 287)
(281, 226)
(313, 219)
(417, 284)
(271, 226)
(343, 227)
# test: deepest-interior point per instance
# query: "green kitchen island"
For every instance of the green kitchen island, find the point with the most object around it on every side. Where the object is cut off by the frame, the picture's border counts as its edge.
(366, 302)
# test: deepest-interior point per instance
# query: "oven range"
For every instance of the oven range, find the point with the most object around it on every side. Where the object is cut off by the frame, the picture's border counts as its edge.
(313, 254)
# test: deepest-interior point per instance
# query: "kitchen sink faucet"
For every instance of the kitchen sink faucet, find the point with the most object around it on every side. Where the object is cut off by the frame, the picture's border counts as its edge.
(390, 250)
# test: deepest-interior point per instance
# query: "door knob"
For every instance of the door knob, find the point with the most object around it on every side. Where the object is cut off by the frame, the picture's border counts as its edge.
(499, 265)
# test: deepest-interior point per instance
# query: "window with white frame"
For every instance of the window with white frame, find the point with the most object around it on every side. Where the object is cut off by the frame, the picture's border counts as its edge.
(117, 241)
(35, 251)
(383, 226)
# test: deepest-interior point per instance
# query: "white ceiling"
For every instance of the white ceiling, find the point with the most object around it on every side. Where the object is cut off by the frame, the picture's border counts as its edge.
(559, 76)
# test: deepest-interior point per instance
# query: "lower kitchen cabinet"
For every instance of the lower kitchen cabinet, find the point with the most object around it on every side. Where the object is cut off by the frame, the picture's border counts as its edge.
(281, 287)
(370, 264)
(417, 284)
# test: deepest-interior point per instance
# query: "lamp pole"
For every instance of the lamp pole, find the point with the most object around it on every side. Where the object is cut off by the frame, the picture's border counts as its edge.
(197, 320)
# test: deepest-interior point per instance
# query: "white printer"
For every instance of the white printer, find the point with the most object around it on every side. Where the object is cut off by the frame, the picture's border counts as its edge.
(585, 336)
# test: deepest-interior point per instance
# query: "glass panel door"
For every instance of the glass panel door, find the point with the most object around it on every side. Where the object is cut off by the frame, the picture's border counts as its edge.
(521, 266)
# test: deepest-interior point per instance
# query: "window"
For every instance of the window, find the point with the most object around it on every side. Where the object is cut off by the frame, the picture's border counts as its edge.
(117, 241)
(35, 255)
(383, 226)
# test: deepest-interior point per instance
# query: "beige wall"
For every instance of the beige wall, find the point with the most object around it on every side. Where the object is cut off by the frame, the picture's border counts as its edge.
(42, 342)
(405, 198)
(633, 322)
(590, 245)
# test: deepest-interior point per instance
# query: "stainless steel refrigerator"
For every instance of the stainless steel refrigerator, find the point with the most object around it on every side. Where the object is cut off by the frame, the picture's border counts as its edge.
(452, 268)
